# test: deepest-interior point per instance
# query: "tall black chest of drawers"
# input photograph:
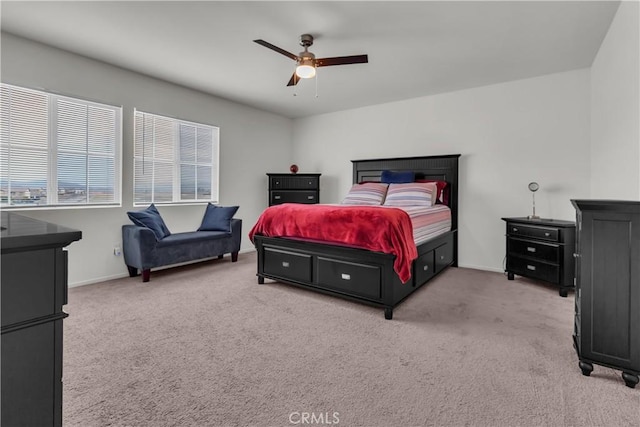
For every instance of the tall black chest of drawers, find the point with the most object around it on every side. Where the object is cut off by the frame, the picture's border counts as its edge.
(541, 249)
(607, 306)
(294, 188)
(34, 289)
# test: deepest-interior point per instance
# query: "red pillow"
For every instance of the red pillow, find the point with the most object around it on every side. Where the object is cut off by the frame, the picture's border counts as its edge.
(443, 195)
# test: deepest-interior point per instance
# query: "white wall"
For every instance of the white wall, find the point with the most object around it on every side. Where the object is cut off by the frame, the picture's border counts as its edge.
(615, 109)
(508, 134)
(252, 142)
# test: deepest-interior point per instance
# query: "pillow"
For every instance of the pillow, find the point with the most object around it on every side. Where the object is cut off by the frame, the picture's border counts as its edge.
(443, 191)
(217, 218)
(151, 219)
(368, 193)
(391, 177)
(412, 194)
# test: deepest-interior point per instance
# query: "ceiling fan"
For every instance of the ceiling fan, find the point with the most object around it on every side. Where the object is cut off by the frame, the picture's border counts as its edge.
(307, 61)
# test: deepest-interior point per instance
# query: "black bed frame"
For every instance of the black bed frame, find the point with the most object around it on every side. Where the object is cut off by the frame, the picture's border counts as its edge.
(359, 274)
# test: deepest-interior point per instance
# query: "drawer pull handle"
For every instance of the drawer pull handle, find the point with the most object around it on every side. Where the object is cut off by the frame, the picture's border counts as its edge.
(546, 234)
(309, 182)
(346, 276)
(515, 229)
(285, 264)
(277, 182)
(530, 249)
(310, 197)
(531, 267)
(441, 256)
(576, 255)
(425, 268)
(276, 197)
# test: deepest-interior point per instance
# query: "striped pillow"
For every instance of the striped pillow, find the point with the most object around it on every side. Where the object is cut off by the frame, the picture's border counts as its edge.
(412, 194)
(369, 193)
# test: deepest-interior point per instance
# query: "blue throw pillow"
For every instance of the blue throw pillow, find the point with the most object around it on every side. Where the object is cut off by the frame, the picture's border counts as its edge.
(151, 219)
(217, 218)
(391, 177)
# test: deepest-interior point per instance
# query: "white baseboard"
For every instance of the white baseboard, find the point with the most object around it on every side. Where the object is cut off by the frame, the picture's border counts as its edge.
(98, 280)
(126, 274)
(478, 267)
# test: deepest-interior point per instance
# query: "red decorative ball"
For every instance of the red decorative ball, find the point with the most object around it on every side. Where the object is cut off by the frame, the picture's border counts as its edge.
(293, 168)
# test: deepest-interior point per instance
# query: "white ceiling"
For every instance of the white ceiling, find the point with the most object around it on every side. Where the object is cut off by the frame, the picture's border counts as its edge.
(415, 48)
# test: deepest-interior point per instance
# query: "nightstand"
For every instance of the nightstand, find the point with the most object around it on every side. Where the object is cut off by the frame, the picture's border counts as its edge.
(294, 188)
(542, 249)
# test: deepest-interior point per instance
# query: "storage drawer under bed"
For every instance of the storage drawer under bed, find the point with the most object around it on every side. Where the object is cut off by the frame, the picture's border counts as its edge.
(351, 278)
(287, 265)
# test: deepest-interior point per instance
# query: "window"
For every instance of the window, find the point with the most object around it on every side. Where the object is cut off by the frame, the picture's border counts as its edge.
(175, 161)
(58, 151)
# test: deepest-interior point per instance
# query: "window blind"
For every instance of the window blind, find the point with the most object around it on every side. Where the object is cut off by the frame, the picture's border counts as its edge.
(58, 151)
(175, 161)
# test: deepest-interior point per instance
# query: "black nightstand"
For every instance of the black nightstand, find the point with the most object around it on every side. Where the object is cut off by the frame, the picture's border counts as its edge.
(294, 188)
(542, 249)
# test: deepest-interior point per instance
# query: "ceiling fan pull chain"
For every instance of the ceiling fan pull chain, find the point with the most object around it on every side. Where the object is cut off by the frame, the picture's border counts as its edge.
(295, 86)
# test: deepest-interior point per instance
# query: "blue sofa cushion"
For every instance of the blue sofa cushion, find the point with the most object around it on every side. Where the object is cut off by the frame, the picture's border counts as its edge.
(217, 218)
(193, 237)
(151, 219)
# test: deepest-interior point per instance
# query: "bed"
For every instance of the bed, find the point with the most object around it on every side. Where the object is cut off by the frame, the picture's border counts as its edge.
(358, 274)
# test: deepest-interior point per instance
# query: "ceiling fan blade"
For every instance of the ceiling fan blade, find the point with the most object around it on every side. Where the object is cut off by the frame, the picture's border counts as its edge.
(293, 80)
(342, 60)
(277, 49)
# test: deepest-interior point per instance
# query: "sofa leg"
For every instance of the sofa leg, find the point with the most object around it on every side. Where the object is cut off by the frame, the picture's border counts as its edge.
(234, 256)
(146, 275)
(133, 272)
(220, 256)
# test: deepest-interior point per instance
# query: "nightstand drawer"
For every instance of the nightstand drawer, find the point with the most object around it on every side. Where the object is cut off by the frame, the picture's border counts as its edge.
(528, 248)
(286, 196)
(536, 232)
(294, 182)
(534, 269)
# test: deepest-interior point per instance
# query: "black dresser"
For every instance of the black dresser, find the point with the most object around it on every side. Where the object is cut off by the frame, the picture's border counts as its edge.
(34, 289)
(541, 249)
(607, 309)
(294, 188)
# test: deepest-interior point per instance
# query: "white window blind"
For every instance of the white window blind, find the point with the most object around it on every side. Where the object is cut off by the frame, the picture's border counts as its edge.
(175, 161)
(58, 151)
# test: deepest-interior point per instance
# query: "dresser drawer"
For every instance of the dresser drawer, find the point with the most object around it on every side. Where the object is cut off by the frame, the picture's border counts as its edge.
(294, 182)
(534, 269)
(351, 278)
(535, 232)
(528, 248)
(424, 268)
(285, 264)
(285, 196)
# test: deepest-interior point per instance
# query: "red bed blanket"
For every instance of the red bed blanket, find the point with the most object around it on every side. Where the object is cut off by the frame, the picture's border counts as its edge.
(379, 229)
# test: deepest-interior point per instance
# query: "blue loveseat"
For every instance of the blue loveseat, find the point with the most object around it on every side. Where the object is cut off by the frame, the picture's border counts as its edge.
(143, 250)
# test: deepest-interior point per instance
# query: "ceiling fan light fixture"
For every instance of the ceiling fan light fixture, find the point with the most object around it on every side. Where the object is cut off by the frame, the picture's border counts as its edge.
(306, 68)
(306, 71)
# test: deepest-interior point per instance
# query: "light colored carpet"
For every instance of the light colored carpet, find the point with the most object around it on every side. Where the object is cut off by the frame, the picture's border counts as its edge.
(205, 345)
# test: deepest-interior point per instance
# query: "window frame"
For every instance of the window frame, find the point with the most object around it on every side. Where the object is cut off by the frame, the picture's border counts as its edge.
(177, 162)
(52, 150)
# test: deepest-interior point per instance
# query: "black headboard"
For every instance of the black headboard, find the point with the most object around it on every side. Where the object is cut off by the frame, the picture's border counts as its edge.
(443, 168)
